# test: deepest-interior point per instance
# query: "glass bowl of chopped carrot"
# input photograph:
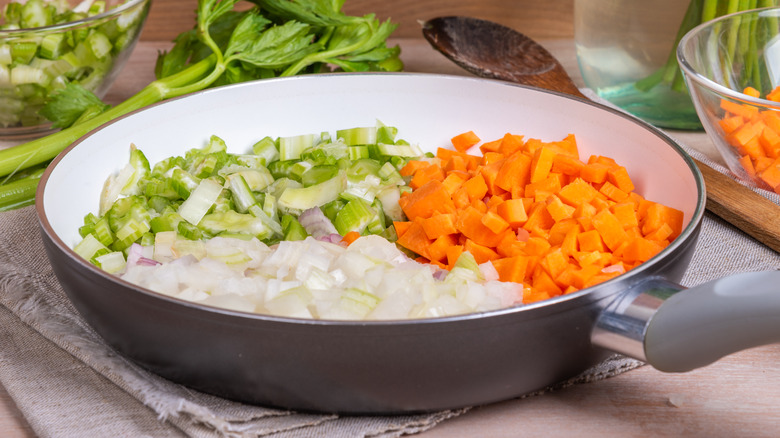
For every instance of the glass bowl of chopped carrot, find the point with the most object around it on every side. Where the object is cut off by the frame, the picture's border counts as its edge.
(46, 45)
(732, 68)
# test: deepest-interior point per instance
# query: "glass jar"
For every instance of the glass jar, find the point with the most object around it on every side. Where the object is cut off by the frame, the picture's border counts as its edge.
(626, 54)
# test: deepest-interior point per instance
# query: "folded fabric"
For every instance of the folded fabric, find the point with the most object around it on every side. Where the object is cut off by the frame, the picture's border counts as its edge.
(68, 383)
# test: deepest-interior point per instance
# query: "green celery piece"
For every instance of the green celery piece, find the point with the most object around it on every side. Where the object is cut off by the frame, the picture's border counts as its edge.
(35, 14)
(90, 247)
(362, 168)
(267, 149)
(270, 206)
(90, 219)
(355, 216)
(183, 182)
(358, 136)
(52, 46)
(25, 74)
(112, 262)
(138, 170)
(167, 221)
(377, 225)
(319, 174)
(234, 222)
(331, 209)
(13, 12)
(23, 51)
(267, 215)
(389, 198)
(292, 229)
(398, 150)
(102, 231)
(147, 239)
(282, 169)
(307, 197)
(20, 192)
(242, 195)
(290, 148)
(189, 231)
(280, 185)
(386, 134)
(207, 165)
(158, 203)
(156, 187)
(132, 229)
(99, 44)
(358, 152)
(200, 201)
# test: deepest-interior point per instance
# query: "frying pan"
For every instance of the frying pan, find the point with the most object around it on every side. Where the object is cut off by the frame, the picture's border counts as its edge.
(404, 365)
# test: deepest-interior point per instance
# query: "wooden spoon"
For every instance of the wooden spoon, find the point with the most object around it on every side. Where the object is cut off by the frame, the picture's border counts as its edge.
(490, 50)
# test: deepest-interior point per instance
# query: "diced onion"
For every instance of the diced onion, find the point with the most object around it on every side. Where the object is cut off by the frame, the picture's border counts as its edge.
(312, 278)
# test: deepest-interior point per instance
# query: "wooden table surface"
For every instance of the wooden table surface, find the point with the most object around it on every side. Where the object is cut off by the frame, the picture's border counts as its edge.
(738, 396)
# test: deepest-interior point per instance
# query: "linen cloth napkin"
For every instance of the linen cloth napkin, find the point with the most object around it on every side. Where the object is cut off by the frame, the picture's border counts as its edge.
(68, 383)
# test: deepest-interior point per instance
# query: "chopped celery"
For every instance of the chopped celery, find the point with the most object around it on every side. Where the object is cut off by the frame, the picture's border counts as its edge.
(200, 201)
(84, 55)
(313, 196)
(319, 174)
(267, 150)
(242, 195)
(89, 247)
(355, 216)
(209, 192)
(292, 229)
(235, 223)
(112, 262)
(357, 136)
(290, 148)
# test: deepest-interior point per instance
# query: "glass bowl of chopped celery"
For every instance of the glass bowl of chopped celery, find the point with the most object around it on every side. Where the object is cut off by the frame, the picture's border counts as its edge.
(47, 44)
(732, 68)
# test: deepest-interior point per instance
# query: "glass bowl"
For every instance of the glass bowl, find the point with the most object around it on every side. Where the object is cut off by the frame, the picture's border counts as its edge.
(40, 54)
(731, 65)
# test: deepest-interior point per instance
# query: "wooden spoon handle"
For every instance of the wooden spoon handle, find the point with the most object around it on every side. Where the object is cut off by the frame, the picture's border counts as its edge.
(738, 205)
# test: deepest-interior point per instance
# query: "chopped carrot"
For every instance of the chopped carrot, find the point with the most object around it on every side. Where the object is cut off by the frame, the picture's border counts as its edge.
(496, 223)
(437, 250)
(427, 199)
(541, 215)
(541, 164)
(513, 211)
(511, 268)
(481, 253)
(415, 239)
(350, 237)
(755, 136)
(463, 142)
(439, 225)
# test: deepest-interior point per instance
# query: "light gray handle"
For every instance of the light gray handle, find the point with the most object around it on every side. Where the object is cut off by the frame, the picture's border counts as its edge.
(698, 326)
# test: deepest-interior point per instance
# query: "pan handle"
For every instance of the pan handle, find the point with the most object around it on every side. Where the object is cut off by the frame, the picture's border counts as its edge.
(681, 331)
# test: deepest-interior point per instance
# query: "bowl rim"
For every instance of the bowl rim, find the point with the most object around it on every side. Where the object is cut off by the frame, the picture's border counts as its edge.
(552, 305)
(118, 10)
(693, 75)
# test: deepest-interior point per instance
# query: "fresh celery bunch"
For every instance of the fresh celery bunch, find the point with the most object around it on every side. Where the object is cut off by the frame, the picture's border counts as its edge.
(272, 38)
